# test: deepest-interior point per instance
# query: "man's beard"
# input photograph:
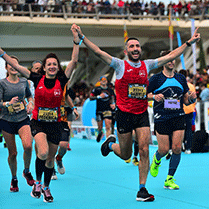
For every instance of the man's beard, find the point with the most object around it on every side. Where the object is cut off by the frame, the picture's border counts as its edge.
(169, 69)
(132, 59)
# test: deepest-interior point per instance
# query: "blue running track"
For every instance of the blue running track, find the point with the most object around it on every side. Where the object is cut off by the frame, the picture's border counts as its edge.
(95, 182)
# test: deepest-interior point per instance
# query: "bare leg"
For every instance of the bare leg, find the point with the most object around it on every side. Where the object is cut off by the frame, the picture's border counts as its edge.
(12, 149)
(143, 137)
(124, 148)
(25, 135)
(108, 123)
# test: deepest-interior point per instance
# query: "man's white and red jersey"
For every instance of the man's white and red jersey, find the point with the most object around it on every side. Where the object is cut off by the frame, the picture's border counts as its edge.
(131, 84)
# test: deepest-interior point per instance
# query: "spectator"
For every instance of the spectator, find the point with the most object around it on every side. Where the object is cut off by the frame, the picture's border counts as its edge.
(204, 95)
(107, 7)
(120, 7)
(74, 6)
(114, 7)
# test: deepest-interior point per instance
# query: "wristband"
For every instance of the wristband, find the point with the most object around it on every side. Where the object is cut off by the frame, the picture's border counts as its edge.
(153, 97)
(2, 54)
(74, 108)
(98, 97)
(188, 44)
(81, 36)
(191, 101)
(81, 39)
(7, 104)
(75, 43)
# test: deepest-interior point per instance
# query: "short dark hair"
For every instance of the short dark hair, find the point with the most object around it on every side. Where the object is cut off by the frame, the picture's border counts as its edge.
(131, 38)
(165, 52)
(183, 72)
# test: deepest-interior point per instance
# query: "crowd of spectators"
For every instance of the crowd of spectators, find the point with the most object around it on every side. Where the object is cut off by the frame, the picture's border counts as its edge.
(134, 7)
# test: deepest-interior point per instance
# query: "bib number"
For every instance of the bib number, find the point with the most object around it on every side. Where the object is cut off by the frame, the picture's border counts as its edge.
(16, 108)
(62, 111)
(107, 114)
(171, 104)
(48, 114)
(137, 91)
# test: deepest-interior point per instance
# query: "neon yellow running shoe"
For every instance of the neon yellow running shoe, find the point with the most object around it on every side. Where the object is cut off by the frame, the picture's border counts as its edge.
(169, 183)
(154, 166)
(135, 161)
(128, 161)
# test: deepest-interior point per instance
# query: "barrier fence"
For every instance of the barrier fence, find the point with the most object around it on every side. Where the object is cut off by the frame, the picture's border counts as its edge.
(91, 132)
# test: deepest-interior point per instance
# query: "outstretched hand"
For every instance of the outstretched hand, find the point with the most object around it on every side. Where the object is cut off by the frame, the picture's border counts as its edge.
(78, 29)
(74, 28)
(195, 37)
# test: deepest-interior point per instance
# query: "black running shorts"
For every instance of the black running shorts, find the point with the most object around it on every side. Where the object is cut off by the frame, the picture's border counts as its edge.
(169, 126)
(13, 127)
(65, 132)
(53, 130)
(127, 122)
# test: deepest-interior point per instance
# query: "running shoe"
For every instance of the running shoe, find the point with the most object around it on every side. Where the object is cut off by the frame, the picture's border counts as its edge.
(188, 151)
(99, 137)
(60, 167)
(169, 183)
(14, 186)
(144, 196)
(128, 161)
(54, 175)
(105, 150)
(36, 191)
(155, 166)
(47, 197)
(29, 178)
(135, 161)
(68, 147)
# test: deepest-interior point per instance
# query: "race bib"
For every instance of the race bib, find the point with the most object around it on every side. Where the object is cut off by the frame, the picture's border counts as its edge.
(47, 114)
(62, 111)
(16, 107)
(171, 104)
(107, 114)
(137, 91)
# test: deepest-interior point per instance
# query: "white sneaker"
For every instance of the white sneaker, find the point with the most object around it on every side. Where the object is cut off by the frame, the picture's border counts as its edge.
(60, 167)
(54, 175)
(188, 151)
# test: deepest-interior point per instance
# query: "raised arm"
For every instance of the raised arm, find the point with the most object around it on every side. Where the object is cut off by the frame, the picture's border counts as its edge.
(72, 64)
(178, 51)
(13, 62)
(95, 49)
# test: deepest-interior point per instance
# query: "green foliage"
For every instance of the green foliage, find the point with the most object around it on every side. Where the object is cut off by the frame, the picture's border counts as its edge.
(201, 57)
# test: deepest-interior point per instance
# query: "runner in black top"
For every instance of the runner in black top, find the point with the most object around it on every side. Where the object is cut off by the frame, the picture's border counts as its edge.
(169, 91)
(104, 106)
